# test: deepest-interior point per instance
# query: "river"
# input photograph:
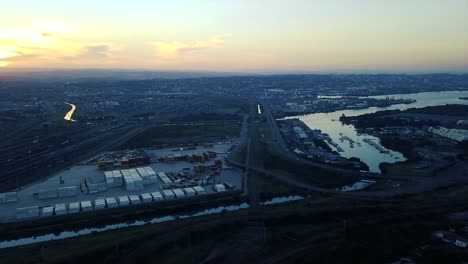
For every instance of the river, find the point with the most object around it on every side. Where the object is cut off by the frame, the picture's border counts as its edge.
(69, 114)
(329, 123)
(162, 219)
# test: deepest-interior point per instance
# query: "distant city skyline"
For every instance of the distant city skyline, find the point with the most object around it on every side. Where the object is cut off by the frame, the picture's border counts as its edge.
(269, 36)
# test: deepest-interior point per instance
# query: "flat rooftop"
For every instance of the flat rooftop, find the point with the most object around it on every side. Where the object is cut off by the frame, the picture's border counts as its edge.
(74, 176)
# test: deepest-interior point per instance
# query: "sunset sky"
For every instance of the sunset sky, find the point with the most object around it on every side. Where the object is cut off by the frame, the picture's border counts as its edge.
(236, 35)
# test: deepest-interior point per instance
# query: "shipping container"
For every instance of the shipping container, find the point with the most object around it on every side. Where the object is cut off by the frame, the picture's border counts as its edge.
(178, 193)
(47, 211)
(150, 171)
(147, 178)
(99, 203)
(86, 206)
(132, 180)
(27, 212)
(95, 185)
(60, 209)
(199, 190)
(189, 191)
(164, 178)
(111, 202)
(146, 197)
(219, 188)
(109, 176)
(125, 173)
(157, 196)
(168, 194)
(123, 200)
(134, 199)
(153, 176)
(73, 207)
(118, 178)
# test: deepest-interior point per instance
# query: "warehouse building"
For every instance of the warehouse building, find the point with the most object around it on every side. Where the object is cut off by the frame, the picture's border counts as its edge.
(457, 135)
(8, 197)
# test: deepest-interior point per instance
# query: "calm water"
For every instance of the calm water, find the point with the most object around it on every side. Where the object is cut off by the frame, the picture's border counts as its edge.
(329, 123)
(168, 218)
(87, 231)
(69, 114)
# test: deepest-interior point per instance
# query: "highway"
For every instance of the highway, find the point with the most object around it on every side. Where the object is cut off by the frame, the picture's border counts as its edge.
(252, 168)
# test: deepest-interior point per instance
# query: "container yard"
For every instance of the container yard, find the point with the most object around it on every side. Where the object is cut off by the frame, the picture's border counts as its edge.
(173, 174)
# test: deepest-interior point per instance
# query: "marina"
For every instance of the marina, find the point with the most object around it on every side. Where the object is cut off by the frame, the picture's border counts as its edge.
(372, 153)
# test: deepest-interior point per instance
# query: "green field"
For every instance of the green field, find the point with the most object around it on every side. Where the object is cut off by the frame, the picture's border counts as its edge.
(188, 133)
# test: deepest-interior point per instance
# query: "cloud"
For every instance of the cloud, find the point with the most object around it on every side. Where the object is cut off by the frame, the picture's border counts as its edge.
(55, 27)
(175, 49)
(42, 40)
(92, 52)
(97, 51)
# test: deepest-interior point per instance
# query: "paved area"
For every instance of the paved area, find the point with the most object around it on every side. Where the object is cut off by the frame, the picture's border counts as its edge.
(73, 176)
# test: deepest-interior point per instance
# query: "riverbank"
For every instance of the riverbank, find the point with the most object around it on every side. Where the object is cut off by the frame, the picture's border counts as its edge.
(329, 123)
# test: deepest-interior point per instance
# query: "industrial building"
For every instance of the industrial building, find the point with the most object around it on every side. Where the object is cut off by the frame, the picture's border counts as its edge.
(8, 197)
(86, 187)
(457, 135)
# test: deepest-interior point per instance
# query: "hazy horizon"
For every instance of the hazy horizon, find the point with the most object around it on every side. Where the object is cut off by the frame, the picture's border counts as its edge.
(356, 36)
(275, 72)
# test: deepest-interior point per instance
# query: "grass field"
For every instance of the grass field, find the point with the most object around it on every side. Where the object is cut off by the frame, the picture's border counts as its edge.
(183, 132)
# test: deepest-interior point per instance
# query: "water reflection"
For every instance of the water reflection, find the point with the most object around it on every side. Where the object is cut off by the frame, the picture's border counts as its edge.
(69, 114)
(278, 200)
(329, 123)
(87, 231)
